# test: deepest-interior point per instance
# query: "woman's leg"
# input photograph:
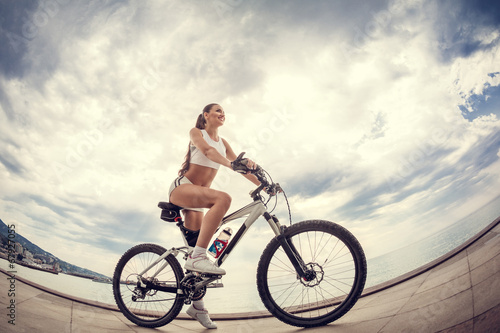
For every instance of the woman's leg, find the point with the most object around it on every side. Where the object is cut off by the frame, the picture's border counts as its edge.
(188, 195)
(197, 311)
(192, 219)
(193, 196)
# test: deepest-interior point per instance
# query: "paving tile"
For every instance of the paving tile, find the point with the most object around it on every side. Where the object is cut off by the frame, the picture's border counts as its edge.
(398, 292)
(413, 284)
(51, 306)
(496, 229)
(483, 250)
(88, 317)
(438, 294)
(25, 292)
(173, 326)
(443, 267)
(440, 275)
(486, 294)
(434, 317)
(371, 326)
(170, 328)
(363, 302)
(384, 310)
(44, 313)
(96, 329)
(391, 296)
(466, 327)
(271, 325)
(488, 321)
(38, 323)
(486, 270)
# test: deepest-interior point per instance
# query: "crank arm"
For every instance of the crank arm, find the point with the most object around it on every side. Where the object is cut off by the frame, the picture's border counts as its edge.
(205, 282)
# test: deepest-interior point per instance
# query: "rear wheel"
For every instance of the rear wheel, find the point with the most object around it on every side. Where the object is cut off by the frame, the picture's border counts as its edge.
(148, 301)
(335, 274)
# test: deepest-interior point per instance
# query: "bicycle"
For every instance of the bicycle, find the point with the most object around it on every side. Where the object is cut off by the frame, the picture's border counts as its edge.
(310, 274)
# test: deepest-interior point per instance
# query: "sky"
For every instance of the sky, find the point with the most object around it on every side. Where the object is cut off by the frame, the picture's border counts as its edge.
(382, 116)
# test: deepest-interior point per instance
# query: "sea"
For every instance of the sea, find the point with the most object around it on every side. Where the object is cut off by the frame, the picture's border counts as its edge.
(222, 300)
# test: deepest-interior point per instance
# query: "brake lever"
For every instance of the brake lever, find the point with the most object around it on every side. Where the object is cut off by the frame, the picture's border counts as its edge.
(274, 189)
(240, 157)
(259, 173)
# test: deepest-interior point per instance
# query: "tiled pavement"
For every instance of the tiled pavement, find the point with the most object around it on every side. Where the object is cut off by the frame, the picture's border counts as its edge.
(459, 292)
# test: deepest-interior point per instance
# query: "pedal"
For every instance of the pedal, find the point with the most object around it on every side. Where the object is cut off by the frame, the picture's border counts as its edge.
(204, 275)
(215, 285)
(211, 276)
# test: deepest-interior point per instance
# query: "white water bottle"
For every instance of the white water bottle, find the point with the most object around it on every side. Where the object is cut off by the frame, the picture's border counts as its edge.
(220, 243)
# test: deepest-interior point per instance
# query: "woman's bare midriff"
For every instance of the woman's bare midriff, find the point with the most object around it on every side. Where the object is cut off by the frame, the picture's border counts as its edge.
(201, 175)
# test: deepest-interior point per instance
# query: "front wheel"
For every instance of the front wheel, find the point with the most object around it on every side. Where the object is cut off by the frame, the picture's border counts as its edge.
(148, 298)
(336, 273)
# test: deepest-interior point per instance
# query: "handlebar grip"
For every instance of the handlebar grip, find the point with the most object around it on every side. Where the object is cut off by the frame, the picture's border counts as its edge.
(257, 169)
(240, 164)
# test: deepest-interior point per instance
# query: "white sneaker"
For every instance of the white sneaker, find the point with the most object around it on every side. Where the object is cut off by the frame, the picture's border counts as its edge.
(202, 316)
(202, 264)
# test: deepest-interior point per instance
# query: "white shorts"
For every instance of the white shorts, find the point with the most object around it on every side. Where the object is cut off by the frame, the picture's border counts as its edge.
(179, 181)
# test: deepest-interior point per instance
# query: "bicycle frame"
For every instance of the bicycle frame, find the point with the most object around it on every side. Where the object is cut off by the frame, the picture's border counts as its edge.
(254, 210)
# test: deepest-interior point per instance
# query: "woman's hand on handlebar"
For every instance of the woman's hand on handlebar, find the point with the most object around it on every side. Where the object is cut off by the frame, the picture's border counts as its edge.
(243, 165)
(251, 165)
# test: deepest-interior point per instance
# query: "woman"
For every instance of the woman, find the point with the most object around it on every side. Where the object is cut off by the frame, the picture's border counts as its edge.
(191, 190)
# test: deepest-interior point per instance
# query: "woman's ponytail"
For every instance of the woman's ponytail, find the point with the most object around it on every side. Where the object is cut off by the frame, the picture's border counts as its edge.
(200, 122)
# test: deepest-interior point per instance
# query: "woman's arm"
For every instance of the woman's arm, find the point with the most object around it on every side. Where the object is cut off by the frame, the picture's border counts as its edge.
(210, 152)
(251, 164)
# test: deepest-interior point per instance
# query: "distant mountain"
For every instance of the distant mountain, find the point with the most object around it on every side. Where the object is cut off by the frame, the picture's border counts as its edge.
(33, 248)
(3, 239)
(39, 252)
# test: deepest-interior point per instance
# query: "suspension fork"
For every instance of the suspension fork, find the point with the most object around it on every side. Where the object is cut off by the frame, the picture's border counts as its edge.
(287, 245)
(293, 255)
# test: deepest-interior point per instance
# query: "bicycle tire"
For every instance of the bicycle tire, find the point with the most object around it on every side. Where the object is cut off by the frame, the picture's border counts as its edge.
(338, 261)
(156, 308)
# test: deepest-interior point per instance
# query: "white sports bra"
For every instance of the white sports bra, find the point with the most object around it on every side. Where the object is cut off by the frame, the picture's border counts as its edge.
(197, 156)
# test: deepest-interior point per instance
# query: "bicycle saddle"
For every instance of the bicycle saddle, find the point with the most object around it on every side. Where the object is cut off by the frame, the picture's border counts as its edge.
(170, 212)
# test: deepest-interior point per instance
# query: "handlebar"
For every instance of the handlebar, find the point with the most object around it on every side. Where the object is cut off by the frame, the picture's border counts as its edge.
(240, 165)
(271, 188)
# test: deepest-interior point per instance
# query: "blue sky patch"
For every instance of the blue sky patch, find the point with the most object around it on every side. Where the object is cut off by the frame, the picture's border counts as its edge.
(482, 104)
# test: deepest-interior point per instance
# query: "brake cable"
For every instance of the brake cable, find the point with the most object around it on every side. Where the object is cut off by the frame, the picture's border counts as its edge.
(276, 198)
(289, 210)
